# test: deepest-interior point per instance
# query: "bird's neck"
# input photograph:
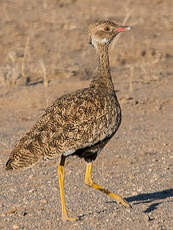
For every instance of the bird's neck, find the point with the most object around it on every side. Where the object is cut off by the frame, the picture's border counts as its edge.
(102, 77)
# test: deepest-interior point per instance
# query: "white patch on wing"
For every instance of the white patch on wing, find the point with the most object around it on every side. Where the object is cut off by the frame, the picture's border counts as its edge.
(69, 152)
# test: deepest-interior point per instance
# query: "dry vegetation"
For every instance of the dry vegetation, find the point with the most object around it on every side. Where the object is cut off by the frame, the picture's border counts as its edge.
(38, 34)
(44, 54)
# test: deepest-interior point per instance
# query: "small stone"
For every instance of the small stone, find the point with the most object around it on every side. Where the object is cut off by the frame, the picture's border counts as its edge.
(150, 218)
(140, 189)
(134, 193)
(15, 226)
(44, 201)
(25, 213)
(48, 222)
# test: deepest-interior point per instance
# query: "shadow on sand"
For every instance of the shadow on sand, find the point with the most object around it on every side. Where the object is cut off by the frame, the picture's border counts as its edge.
(149, 197)
(141, 198)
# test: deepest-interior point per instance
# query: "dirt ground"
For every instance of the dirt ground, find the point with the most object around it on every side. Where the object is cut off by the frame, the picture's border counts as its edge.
(45, 54)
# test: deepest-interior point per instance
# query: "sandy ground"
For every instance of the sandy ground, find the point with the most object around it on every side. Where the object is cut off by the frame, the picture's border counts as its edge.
(45, 54)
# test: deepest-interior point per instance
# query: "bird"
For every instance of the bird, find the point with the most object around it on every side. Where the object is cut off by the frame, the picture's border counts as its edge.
(80, 123)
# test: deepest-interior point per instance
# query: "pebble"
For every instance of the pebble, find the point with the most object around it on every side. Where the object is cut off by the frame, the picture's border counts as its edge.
(15, 227)
(44, 201)
(140, 189)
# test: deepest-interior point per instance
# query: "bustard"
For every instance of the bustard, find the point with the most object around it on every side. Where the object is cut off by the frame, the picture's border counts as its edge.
(80, 123)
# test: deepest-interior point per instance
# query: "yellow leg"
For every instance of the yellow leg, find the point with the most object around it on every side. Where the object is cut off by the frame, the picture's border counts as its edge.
(61, 187)
(89, 182)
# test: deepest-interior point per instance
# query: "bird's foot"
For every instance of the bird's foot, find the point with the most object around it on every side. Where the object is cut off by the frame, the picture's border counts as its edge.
(125, 203)
(69, 218)
(118, 199)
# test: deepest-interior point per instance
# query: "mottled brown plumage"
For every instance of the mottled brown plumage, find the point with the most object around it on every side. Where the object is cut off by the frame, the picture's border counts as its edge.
(73, 122)
(79, 123)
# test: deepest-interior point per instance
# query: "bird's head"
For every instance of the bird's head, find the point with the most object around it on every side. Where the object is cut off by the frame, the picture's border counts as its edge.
(103, 32)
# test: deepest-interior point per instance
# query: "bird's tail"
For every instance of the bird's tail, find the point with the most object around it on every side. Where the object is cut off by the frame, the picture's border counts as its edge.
(8, 164)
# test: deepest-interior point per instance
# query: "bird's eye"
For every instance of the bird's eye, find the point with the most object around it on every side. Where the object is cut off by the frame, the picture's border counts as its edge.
(107, 28)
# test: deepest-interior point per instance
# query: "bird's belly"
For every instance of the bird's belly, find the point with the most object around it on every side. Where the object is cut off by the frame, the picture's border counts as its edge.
(111, 121)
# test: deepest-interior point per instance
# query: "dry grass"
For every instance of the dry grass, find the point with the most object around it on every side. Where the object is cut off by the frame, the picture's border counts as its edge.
(26, 55)
(61, 43)
(44, 74)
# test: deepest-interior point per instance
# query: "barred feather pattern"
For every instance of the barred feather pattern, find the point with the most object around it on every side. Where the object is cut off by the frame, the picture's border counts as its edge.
(72, 122)
(83, 120)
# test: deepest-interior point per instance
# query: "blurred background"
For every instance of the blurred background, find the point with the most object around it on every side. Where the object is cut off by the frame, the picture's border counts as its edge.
(44, 53)
(46, 39)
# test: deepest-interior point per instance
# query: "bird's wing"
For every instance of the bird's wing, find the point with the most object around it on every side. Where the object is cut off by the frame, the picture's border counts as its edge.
(75, 121)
